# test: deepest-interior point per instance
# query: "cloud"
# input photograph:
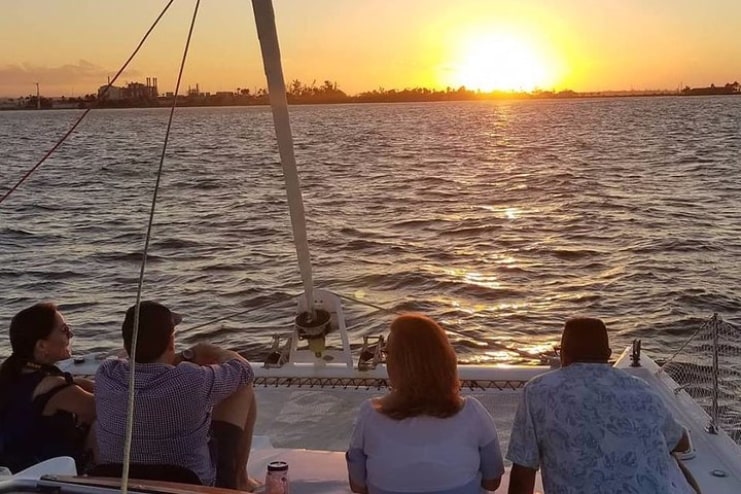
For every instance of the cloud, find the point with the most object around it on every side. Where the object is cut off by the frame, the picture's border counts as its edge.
(83, 73)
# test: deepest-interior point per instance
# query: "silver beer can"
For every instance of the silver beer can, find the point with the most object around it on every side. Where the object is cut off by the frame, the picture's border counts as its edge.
(276, 479)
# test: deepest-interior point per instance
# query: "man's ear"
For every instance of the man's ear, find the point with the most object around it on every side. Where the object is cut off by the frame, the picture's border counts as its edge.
(171, 343)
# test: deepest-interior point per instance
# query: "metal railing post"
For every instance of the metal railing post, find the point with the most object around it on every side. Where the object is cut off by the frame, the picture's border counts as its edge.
(712, 427)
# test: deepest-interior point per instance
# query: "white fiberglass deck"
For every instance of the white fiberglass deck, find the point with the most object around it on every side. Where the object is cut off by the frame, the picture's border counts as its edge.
(322, 419)
(315, 472)
(310, 428)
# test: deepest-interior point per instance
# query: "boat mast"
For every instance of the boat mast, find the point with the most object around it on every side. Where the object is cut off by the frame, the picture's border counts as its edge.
(268, 35)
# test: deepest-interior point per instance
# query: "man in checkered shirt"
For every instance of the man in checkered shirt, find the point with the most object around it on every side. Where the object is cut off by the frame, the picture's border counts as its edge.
(194, 410)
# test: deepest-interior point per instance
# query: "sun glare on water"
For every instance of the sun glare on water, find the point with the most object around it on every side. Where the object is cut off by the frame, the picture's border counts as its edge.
(500, 61)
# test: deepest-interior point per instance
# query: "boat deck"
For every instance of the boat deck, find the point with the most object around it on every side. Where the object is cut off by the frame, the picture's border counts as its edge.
(309, 426)
(322, 419)
(312, 426)
(315, 472)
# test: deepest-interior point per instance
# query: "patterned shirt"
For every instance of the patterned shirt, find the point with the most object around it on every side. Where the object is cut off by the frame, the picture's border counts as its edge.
(595, 429)
(172, 411)
(425, 454)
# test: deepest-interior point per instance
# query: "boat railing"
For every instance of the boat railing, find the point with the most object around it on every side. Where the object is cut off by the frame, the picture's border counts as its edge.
(334, 357)
(708, 367)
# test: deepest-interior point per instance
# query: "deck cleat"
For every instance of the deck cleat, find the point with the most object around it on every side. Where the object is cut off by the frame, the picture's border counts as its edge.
(277, 356)
(371, 355)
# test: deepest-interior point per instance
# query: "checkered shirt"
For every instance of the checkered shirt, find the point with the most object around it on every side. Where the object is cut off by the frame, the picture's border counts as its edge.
(172, 411)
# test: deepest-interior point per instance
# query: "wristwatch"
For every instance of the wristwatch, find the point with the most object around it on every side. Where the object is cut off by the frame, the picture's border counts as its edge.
(188, 354)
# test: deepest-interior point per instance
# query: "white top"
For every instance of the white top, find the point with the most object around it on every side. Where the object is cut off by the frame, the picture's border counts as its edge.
(596, 429)
(423, 453)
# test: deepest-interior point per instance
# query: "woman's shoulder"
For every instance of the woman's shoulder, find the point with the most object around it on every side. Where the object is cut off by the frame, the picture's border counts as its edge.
(472, 406)
(369, 409)
(472, 403)
(369, 405)
(50, 383)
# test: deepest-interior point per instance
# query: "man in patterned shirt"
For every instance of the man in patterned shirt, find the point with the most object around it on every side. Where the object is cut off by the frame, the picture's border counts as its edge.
(194, 410)
(593, 428)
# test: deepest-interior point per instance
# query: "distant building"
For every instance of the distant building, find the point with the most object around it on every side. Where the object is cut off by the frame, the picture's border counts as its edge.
(114, 93)
(133, 90)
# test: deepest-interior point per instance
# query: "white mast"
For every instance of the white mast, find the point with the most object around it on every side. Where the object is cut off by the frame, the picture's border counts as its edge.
(268, 35)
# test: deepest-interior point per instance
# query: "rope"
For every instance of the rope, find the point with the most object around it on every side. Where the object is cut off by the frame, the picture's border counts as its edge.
(521, 353)
(132, 357)
(689, 340)
(377, 307)
(84, 114)
(241, 313)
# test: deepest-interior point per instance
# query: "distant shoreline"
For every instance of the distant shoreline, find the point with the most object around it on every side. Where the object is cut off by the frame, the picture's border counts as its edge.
(405, 96)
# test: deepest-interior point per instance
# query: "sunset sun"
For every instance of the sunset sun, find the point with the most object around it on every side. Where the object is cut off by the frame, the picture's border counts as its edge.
(501, 61)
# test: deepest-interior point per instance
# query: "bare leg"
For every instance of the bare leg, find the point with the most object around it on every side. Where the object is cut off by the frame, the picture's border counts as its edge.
(240, 409)
(243, 456)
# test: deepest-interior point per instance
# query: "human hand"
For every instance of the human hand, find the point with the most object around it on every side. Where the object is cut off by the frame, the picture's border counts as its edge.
(85, 384)
(207, 354)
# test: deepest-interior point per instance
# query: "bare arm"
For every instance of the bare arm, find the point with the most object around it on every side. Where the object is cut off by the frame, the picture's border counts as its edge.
(521, 480)
(85, 384)
(208, 354)
(71, 399)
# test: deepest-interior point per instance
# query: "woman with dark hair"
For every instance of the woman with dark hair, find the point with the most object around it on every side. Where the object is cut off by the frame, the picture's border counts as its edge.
(423, 436)
(44, 412)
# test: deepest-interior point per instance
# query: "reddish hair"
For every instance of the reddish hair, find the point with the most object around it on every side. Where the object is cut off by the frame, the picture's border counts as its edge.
(424, 368)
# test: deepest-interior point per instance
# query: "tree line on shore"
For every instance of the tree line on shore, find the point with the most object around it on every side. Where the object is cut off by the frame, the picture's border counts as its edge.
(328, 92)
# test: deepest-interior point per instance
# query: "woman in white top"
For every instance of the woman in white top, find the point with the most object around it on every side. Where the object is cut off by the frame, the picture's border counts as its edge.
(423, 436)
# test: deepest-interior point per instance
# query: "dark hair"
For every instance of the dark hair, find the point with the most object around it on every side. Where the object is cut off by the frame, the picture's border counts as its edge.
(156, 325)
(426, 369)
(584, 339)
(31, 325)
(26, 328)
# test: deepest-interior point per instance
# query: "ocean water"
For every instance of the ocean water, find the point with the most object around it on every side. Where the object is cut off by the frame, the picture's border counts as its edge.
(499, 219)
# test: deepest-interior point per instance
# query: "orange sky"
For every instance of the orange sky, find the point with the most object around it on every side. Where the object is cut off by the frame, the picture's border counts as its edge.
(71, 46)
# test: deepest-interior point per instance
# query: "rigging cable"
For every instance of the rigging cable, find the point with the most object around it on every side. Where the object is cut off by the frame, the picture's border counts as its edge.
(132, 357)
(704, 326)
(84, 114)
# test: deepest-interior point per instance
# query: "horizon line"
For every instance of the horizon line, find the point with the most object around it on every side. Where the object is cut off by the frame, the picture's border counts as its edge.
(493, 92)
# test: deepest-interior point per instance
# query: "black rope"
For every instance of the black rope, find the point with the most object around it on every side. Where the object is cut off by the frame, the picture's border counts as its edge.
(79, 120)
(132, 358)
